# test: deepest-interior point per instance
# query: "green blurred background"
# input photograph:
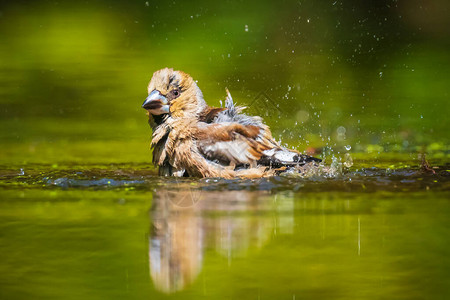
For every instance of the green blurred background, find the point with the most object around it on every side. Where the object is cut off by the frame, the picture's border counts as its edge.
(373, 75)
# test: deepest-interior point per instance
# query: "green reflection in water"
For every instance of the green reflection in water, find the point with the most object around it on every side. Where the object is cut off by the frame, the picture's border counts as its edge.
(238, 244)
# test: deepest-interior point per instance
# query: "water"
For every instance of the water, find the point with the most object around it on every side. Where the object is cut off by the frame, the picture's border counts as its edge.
(114, 232)
(362, 85)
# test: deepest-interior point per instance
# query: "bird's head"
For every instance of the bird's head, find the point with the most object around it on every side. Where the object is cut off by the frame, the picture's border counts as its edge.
(174, 93)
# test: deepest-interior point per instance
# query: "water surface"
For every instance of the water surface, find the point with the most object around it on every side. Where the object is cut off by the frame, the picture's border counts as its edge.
(116, 232)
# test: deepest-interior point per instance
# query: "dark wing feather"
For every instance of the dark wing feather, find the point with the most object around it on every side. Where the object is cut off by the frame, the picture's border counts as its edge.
(282, 157)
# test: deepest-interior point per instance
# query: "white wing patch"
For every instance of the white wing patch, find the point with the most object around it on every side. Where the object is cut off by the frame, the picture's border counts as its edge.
(235, 151)
(285, 155)
(281, 155)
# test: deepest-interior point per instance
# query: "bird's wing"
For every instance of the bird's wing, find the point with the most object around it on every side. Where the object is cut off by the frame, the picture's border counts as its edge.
(236, 138)
(232, 143)
(236, 144)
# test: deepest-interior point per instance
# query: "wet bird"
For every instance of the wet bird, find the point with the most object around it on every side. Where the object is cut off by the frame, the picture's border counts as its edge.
(191, 138)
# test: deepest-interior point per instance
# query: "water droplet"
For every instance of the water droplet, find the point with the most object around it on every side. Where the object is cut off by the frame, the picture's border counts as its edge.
(246, 28)
(348, 160)
(348, 147)
(341, 130)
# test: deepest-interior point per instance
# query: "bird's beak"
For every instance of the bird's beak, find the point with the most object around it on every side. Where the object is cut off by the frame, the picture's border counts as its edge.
(156, 103)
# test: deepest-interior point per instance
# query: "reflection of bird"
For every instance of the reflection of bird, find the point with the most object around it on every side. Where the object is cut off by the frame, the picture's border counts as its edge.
(191, 138)
(179, 235)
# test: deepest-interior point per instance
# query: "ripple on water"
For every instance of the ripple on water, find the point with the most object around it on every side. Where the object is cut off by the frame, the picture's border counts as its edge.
(66, 182)
(320, 180)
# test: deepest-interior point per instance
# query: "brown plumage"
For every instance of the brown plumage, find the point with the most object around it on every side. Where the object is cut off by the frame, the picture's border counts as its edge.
(191, 138)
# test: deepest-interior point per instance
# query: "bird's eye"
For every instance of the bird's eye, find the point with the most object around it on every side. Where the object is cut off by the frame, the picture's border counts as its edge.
(175, 93)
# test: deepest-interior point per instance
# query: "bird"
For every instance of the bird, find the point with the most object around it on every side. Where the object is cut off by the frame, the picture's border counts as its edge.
(192, 139)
